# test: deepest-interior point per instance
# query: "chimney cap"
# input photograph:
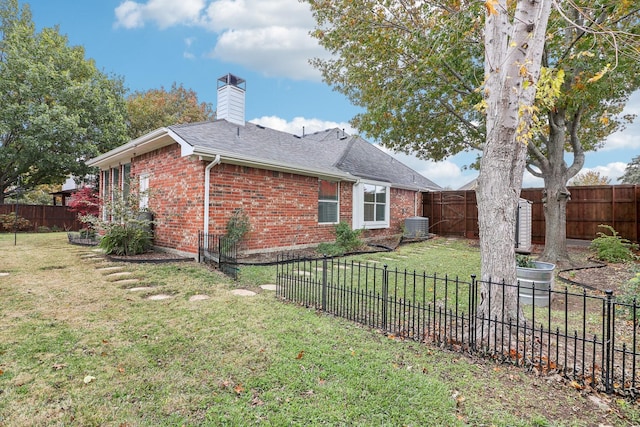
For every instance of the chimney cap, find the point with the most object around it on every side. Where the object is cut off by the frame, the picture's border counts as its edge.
(232, 80)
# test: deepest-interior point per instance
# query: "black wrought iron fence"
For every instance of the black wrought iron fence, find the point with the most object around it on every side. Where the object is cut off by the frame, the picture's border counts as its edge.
(590, 339)
(220, 251)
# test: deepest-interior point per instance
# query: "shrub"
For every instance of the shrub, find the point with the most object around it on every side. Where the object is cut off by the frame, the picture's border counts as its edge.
(125, 239)
(44, 229)
(238, 225)
(127, 231)
(630, 291)
(524, 261)
(612, 248)
(347, 240)
(13, 222)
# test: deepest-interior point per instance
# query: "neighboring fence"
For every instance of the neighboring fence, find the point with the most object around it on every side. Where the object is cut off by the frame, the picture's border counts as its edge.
(456, 213)
(592, 340)
(220, 251)
(45, 216)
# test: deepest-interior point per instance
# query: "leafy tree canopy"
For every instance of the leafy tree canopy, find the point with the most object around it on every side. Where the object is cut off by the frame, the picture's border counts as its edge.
(156, 108)
(57, 108)
(632, 172)
(417, 69)
(590, 178)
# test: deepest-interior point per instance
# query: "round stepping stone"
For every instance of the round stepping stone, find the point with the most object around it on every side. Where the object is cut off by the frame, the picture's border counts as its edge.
(243, 292)
(198, 298)
(268, 287)
(140, 288)
(4, 274)
(159, 297)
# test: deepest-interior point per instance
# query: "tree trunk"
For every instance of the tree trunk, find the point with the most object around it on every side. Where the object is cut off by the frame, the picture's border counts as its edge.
(555, 201)
(513, 55)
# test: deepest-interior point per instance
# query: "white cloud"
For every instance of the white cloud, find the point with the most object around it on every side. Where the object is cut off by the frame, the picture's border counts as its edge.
(270, 37)
(165, 13)
(295, 126)
(224, 15)
(274, 51)
(611, 170)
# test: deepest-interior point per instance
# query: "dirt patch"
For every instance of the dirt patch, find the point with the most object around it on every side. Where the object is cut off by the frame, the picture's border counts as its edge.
(383, 244)
(594, 275)
(149, 257)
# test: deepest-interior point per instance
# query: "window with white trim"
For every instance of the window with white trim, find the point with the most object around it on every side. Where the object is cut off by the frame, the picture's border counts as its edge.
(371, 205)
(328, 202)
(143, 191)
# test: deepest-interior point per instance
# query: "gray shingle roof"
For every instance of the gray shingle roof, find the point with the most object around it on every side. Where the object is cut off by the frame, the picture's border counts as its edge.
(330, 150)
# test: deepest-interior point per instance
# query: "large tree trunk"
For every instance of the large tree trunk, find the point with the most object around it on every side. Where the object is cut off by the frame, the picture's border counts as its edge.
(556, 174)
(513, 54)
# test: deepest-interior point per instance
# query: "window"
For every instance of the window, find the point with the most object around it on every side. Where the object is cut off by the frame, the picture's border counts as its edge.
(327, 202)
(370, 205)
(144, 191)
(126, 176)
(375, 202)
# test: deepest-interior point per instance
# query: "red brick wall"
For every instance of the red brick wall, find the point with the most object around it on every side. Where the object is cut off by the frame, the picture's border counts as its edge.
(176, 196)
(282, 207)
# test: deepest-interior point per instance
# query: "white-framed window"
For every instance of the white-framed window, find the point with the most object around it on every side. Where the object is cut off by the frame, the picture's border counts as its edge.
(328, 202)
(371, 207)
(143, 190)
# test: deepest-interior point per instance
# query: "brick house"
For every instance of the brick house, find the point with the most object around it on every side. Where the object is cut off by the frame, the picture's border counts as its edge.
(294, 189)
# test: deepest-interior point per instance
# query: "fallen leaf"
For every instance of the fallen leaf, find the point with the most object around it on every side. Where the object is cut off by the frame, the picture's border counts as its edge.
(238, 389)
(300, 355)
(576, 385)
(1, 372)
(89, 379)
(59, 366)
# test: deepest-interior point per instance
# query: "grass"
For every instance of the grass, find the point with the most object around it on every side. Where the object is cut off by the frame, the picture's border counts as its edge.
(78, 348)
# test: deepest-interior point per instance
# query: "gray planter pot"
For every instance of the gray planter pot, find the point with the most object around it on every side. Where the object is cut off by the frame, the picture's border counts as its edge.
(541, 276)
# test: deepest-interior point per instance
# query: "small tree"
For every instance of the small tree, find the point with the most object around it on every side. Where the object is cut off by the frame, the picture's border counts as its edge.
(85, 202)
(590, 178)
(631, 172)
(126, 231)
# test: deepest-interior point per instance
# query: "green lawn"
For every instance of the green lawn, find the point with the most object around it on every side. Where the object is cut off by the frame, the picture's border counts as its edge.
(78, 347)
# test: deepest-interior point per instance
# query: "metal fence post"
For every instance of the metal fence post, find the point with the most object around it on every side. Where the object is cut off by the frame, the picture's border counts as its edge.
(324, 283)
(385, 296)
(472, 312)
(608, 362)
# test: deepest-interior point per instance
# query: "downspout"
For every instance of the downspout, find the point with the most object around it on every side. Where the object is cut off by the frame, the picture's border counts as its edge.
(207, 182)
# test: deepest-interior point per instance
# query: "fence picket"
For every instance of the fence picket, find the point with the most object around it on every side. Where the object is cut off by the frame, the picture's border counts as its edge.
(410, 309)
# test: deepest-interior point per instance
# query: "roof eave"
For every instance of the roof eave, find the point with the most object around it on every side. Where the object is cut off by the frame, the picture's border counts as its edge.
(235, 159)
(144, 144)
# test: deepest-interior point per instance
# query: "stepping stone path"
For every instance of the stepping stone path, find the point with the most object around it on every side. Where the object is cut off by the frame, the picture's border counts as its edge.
(140, 288)
(4, 274)
(159, 297)
(243, 292)
(121, 276)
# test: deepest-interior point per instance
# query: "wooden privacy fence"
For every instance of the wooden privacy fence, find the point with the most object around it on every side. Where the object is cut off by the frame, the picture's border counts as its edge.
(455, 213)
(44, 216)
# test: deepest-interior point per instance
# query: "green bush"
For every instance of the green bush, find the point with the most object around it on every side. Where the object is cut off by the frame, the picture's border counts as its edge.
(612, 248)
(524, 261)
(13, 222)
(126, 239)
(630, 291)
(238, 225)
(347, 240)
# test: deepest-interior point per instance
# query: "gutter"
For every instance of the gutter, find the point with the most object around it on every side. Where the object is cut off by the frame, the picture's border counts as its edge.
(207, 182)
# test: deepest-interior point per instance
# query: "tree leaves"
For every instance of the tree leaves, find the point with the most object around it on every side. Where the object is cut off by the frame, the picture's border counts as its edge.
(58, 109)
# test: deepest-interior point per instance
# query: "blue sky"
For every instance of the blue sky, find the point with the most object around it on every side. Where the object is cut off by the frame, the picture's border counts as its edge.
(153, 43)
